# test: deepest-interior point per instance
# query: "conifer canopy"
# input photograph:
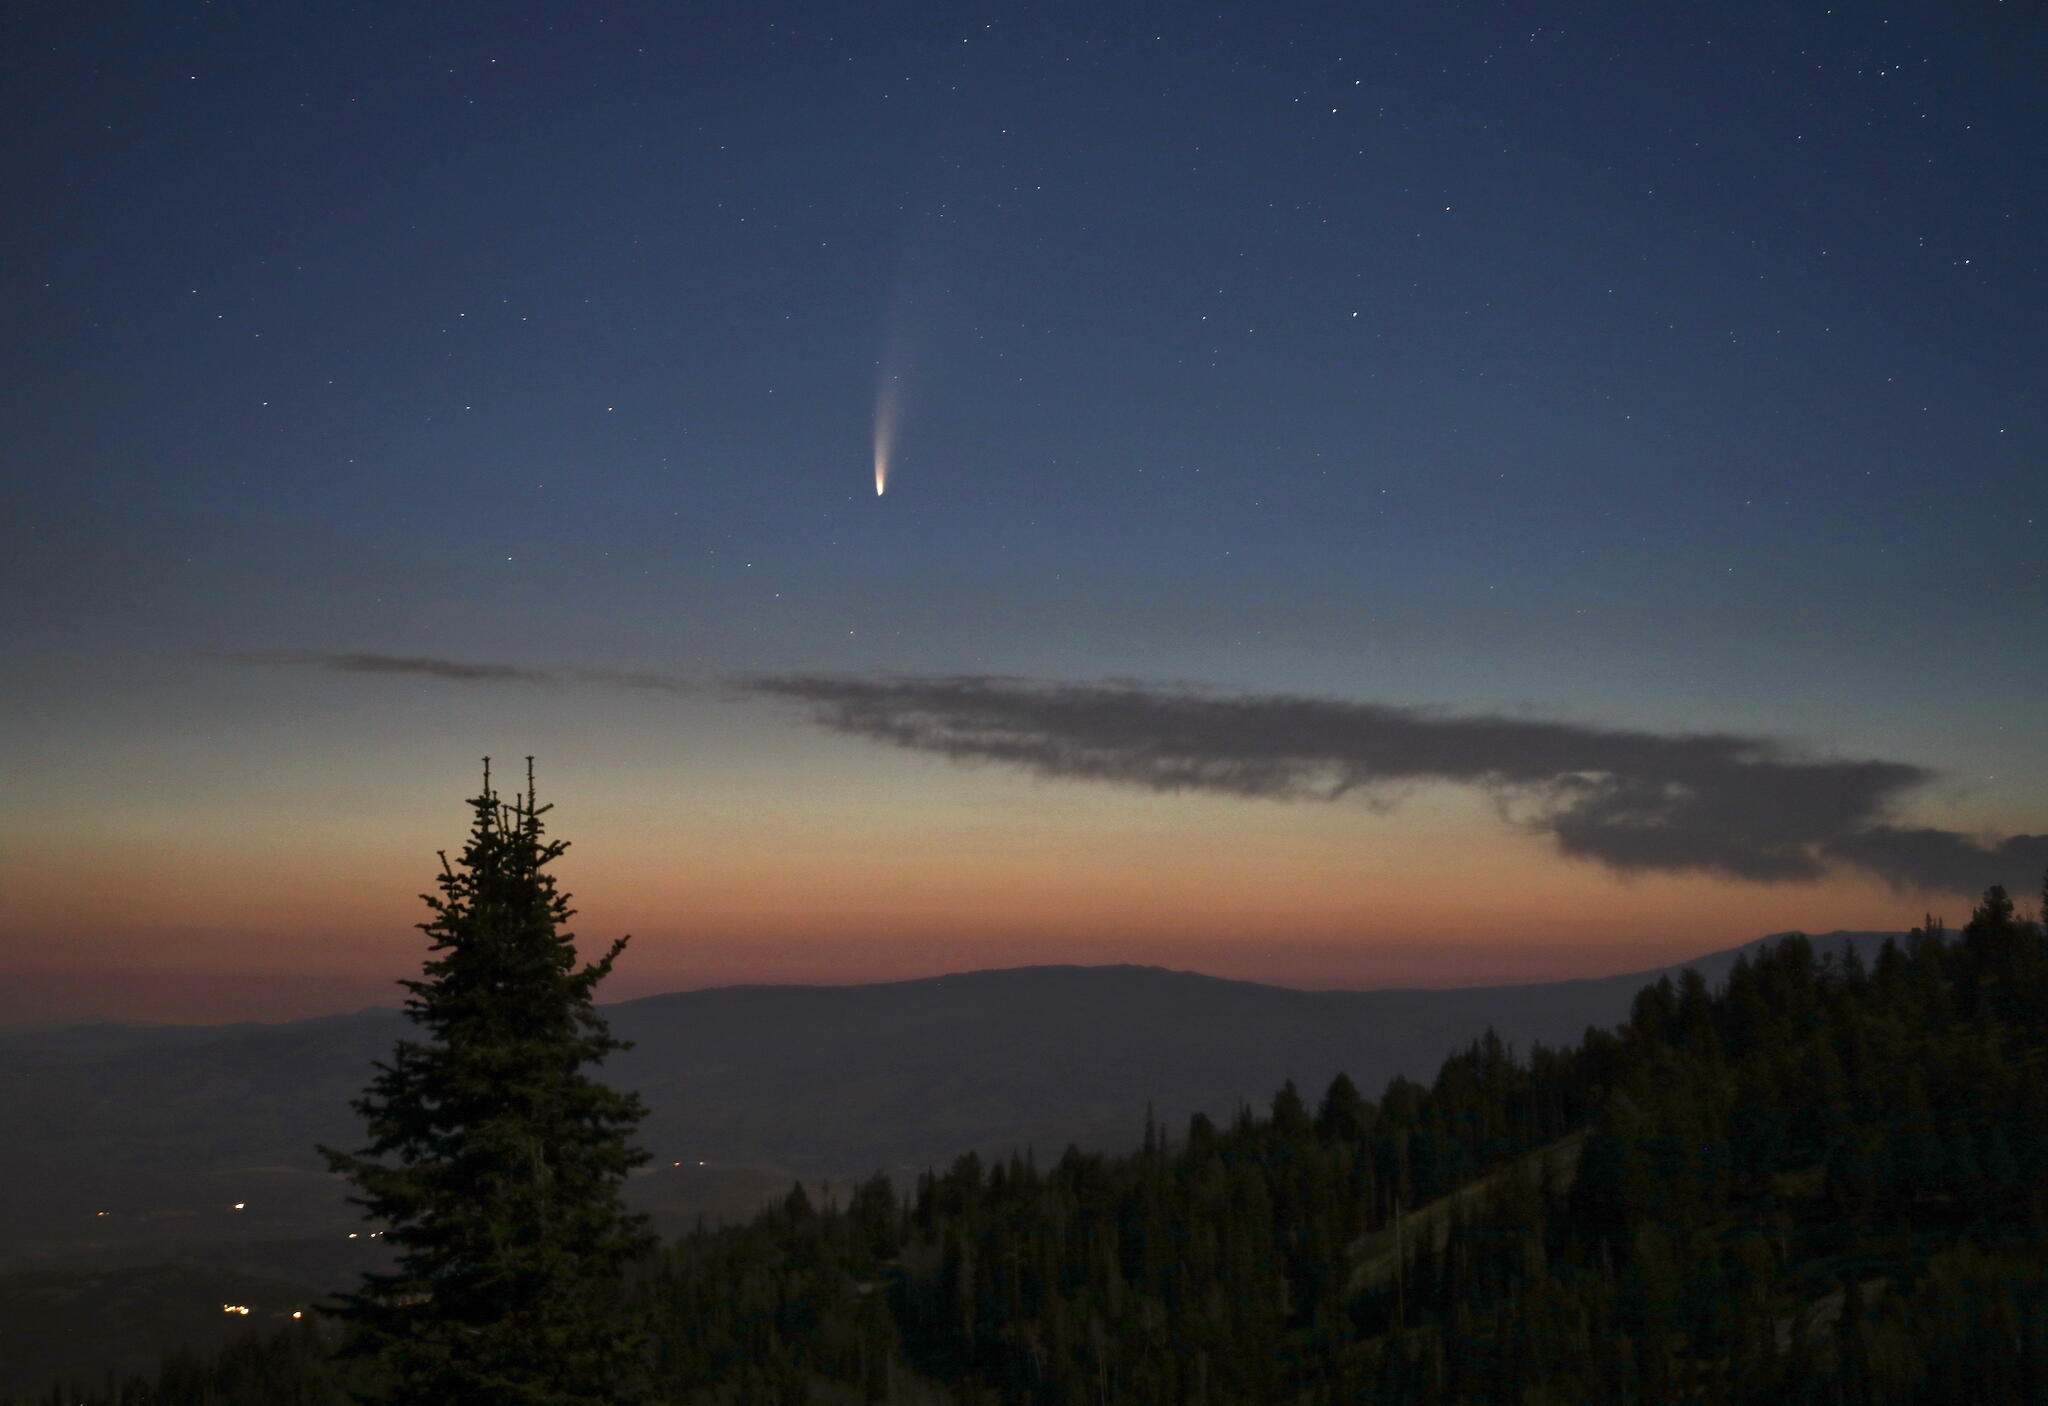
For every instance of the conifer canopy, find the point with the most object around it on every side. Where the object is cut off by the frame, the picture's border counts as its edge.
(494, 1161)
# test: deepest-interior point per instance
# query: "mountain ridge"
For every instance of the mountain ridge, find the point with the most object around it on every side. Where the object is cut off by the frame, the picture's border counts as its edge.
(167, 1128)
(1718, 960)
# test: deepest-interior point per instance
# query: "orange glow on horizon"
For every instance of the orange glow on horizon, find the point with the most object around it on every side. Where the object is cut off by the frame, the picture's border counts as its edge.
(868, 877)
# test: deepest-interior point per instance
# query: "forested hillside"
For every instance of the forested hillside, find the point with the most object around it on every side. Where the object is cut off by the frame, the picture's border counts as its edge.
(166, 1128)
(1824, 1181)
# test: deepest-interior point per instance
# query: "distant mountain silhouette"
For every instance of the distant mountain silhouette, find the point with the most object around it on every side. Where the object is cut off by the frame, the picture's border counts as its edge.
(846, 1079)
(165, 1128)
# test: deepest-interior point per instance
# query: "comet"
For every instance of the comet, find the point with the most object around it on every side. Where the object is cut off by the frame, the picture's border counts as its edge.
(888, 402)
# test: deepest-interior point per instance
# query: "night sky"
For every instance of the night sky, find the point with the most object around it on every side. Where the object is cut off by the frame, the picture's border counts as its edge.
(1376, 494)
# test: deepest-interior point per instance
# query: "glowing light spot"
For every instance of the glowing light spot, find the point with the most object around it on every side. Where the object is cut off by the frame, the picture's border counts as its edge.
(887, 405)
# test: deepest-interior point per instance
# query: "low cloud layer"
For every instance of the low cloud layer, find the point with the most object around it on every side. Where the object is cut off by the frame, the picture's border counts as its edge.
(1637, 802)
(1942, 859)
(460, 671)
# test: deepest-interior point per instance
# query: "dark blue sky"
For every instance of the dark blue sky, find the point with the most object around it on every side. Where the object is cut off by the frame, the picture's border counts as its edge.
(1664, 367)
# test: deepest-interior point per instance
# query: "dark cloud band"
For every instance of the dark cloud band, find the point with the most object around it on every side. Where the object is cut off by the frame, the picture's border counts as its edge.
(460, 671)
(1635, 801)
(1638, 802)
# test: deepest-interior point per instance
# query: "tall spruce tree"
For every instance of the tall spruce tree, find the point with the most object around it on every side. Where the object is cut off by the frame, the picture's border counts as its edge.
(494, 1161)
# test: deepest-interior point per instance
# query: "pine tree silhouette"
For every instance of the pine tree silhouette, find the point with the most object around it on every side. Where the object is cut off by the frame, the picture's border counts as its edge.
(494, 1162)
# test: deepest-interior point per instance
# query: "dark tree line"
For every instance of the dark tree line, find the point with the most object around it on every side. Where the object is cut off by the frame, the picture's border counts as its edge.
(1825, 1181)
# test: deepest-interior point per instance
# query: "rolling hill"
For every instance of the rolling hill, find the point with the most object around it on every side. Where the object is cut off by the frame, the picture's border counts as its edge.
(134, 1142)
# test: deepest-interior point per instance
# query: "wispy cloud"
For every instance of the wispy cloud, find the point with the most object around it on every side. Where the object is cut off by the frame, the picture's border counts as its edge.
(1748, 807)
(1919, 858)
(1637, 802)
(461, 671)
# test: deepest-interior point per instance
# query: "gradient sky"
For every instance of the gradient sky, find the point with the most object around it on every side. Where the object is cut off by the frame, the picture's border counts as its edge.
(1666, 370)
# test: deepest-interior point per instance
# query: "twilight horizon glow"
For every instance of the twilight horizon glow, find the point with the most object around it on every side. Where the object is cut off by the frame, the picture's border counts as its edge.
(1312, 392)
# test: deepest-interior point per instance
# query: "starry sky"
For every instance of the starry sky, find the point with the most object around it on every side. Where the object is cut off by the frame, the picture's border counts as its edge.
(1375, 494)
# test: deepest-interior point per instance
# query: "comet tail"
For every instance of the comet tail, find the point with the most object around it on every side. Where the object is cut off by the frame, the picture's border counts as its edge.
(885, 430)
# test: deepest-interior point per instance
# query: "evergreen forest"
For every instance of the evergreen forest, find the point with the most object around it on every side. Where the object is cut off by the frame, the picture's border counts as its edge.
(1825, 1181)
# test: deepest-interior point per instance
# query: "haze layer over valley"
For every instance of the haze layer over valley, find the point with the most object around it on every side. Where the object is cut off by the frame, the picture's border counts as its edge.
(166, 1130)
